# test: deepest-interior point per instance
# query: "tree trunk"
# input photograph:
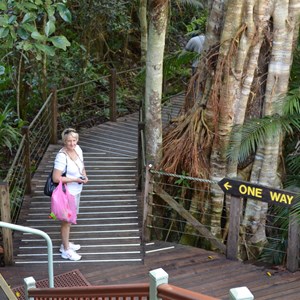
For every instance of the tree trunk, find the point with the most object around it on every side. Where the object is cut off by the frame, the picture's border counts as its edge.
(245, 76)
(154, 78)
(143, 28)
(266, 165)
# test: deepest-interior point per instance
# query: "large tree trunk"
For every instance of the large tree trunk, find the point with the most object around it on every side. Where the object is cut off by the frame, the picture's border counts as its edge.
(143, 28)
(248, 79)
(154, 78)
(285, 17)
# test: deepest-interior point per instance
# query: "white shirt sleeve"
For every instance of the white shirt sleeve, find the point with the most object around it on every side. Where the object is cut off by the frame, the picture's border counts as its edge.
(60, 162)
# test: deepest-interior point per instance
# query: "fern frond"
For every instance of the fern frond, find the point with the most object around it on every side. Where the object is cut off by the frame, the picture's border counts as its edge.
(292, 102)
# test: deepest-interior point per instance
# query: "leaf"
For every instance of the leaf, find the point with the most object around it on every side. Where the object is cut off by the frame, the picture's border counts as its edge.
(46, 49)
(50, 11)
(12, 32)
(38, 56)
(30, 6)
(28, 17)
(37, 36)
(4, 20)
(22, 33)
(12, 19)
(64, 12)
(27, 46)
(3, 5)
(49, 28)
(60, 42)
(4, 32)
(28, 27)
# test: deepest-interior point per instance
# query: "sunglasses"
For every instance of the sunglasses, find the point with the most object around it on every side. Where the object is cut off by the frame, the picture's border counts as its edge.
(69, 131)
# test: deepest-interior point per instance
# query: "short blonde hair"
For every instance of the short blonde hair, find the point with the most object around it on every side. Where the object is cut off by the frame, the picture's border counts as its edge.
(69, 132)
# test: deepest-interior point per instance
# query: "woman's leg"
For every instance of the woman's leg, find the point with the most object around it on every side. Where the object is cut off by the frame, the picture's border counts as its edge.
(65, 234)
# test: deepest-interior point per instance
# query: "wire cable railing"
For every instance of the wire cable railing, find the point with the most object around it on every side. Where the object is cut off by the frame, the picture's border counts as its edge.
(63, 108)
(183, 214)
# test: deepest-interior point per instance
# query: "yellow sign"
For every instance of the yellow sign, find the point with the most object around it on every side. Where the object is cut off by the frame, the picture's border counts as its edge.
(258, 192)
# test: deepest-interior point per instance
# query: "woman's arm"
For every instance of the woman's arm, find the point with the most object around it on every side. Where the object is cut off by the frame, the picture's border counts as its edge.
(57, 175)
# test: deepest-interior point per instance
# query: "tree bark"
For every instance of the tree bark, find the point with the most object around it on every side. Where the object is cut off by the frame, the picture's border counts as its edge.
(154, 78)
(143, 28)
(245, 75)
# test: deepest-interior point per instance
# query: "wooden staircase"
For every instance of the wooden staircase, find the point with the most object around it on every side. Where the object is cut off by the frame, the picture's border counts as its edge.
(109, 221)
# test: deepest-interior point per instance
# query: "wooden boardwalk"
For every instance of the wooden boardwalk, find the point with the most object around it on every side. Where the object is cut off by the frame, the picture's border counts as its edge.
(110, 233)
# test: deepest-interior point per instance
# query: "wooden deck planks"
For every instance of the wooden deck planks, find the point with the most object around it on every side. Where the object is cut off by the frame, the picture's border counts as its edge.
(196, 269)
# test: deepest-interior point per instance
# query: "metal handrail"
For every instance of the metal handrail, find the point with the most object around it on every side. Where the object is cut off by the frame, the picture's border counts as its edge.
(40, 111)
(7, 178)
(95, 80)
(42, 234)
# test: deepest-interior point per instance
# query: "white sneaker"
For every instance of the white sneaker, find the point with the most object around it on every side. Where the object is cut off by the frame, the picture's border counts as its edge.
(71, 255)
(74, 247)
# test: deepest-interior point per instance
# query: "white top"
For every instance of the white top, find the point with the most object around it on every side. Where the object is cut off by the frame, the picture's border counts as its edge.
(195, 44)
(74, 168)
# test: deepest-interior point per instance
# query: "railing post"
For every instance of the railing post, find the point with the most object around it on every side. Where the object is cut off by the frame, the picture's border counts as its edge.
(113, 95)
(140, 164)
(29, 283)
(147, 205)
(240, 293)
(25, 131)
(293, 244)
(5, 217)
(234, 228)
(157, 277)
(53, 139)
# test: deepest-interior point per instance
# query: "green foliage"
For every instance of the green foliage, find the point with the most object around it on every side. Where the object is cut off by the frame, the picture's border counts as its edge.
(275, 251)
(9, 129)
(182, 181)
(107, 22)
(28, 26)
(197, 25)
(245, 139)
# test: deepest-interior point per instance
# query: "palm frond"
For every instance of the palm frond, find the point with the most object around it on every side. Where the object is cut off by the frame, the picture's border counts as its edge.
(245, 139)
(293, 162)
(292, 102)
(292, 180)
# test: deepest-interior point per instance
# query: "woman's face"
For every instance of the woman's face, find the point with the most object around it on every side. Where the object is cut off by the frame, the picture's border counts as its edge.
(70, 142)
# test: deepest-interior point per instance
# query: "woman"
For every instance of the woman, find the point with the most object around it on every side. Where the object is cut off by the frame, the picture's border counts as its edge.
(69, 160)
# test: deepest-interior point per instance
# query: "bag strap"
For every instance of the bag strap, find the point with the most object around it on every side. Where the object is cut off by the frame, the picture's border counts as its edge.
(66, 160)
(60, 151)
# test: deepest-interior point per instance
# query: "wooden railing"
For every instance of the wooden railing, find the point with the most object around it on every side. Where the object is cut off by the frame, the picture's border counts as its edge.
(158, 288)
(108, 292)
(172, 292)
(112, 292)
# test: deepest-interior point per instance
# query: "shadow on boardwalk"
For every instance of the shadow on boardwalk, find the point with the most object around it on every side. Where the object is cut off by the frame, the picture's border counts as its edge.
(110, 233)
